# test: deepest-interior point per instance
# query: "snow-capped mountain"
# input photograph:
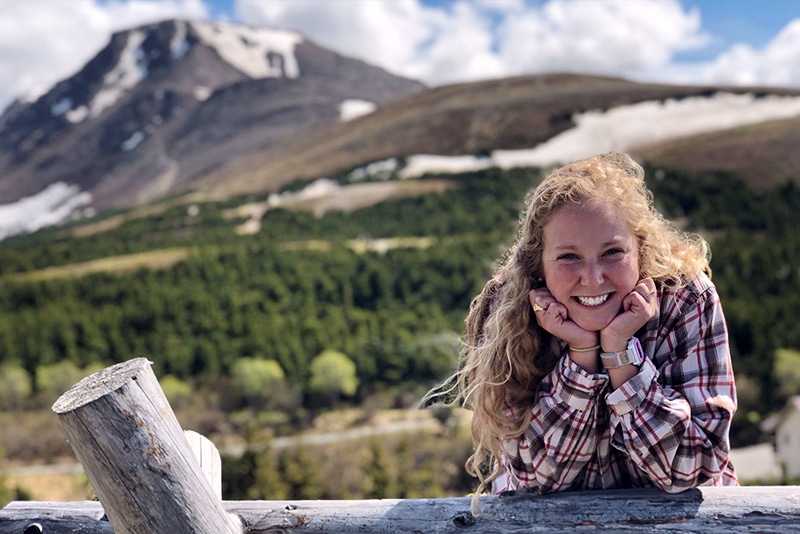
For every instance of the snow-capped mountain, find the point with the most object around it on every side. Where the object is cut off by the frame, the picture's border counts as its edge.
(162, 103)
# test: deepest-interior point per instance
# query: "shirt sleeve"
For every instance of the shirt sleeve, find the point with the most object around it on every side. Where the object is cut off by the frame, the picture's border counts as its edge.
(673, 420)
(561, 437)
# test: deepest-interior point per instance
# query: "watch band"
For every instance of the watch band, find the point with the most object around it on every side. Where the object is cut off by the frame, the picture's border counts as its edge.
(632, 354)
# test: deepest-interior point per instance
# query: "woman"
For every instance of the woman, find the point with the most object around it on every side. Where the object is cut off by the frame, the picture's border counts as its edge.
(597, 355)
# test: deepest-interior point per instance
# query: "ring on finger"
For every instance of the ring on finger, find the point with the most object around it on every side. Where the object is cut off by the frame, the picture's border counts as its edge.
(537, 308)
(649, 293)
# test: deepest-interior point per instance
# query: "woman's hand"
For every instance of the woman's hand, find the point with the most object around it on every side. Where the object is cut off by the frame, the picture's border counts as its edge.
(553, 317)
(638, 307)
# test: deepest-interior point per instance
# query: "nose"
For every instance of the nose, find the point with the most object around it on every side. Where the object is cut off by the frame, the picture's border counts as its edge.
(592, 274)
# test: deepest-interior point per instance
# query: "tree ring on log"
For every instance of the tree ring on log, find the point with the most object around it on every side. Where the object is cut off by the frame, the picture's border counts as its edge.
(100, 384)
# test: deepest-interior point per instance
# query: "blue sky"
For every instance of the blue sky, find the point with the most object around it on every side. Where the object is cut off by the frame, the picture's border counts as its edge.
(752, 42)
(752, 21)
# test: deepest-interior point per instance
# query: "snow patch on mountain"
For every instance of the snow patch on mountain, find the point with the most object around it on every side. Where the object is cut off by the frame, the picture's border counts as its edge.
(627, 127)
(202, 92)
(61, 107)
(64, 107)
(131, 68)
(420, 164)
(53, 205)
(179, 45)
(621, 129)
(353, 108)
(384, 169)
(133, 141)
(316, 189)
(257, 52)
(78, 114)
(128, 72)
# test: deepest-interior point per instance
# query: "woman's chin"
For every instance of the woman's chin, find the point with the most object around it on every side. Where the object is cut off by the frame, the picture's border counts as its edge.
(592, 322)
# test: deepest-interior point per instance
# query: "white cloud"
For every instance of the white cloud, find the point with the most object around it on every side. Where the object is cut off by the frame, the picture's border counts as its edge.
(611, 37)
(43, 41)
(778, 63)
(463, 48)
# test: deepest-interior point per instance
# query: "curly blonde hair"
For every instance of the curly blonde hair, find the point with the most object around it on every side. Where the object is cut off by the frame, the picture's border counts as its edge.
(506, 352)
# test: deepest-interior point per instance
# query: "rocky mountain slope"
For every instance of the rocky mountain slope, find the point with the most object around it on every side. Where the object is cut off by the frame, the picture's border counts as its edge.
(163, 103)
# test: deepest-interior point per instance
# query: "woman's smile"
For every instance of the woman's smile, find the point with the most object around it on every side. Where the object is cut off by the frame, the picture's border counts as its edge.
(593, 302)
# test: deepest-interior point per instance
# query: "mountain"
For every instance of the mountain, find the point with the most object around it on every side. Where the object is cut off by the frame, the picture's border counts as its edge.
(163, 103)
(541, 120)
(226, 110)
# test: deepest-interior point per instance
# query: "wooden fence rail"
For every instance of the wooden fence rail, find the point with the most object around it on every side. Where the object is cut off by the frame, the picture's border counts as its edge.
(761, 509)
(150, 481)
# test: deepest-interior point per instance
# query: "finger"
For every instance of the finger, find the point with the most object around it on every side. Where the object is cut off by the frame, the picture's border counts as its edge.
(634, 298)
(541, 300)
(542, 293)
(646, 287)
(560, 310)
(536, 302)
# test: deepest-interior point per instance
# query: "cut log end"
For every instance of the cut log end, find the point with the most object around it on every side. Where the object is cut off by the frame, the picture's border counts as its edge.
(99, 384)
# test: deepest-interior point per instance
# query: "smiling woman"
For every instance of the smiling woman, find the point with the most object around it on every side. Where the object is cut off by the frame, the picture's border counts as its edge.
(597, 356)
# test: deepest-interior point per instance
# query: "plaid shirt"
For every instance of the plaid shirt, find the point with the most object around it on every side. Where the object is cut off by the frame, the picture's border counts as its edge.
(666, 427)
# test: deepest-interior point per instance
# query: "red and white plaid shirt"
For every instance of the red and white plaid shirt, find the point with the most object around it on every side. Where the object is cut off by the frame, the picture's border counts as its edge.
(666, 427)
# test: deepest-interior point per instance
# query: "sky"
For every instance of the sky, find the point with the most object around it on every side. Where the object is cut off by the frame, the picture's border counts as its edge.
(736, 42)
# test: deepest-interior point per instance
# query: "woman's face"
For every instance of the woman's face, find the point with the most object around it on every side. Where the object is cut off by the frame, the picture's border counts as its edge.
(590, 261)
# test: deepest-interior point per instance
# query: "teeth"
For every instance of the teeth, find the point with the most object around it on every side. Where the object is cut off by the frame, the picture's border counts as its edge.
(593, 301)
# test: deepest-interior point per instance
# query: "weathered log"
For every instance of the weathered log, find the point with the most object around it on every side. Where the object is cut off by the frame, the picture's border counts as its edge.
(135, 454)
(774, 509)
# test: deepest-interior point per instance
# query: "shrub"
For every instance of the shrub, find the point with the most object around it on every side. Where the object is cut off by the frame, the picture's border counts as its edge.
(15, 386)
(333, 374)
(261, 384)
(177, 391)
(53, 380)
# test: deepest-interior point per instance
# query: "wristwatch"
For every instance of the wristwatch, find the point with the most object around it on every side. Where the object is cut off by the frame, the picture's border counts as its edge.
(632, 354)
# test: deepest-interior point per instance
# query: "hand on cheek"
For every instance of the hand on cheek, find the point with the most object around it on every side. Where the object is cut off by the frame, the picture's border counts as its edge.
(638, 307)
(554, 318)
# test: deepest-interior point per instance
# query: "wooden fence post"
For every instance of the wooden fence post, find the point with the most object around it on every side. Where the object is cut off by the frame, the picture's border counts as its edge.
(123, 431)
(210, 461)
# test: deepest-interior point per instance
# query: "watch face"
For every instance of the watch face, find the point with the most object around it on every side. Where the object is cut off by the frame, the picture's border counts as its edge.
(634, 353)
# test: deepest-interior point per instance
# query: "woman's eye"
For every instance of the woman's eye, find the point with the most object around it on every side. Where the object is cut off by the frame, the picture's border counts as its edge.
(614, 251)
(568, 257)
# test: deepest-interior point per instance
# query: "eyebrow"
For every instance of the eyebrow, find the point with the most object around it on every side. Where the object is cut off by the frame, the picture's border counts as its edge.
(616, 240)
